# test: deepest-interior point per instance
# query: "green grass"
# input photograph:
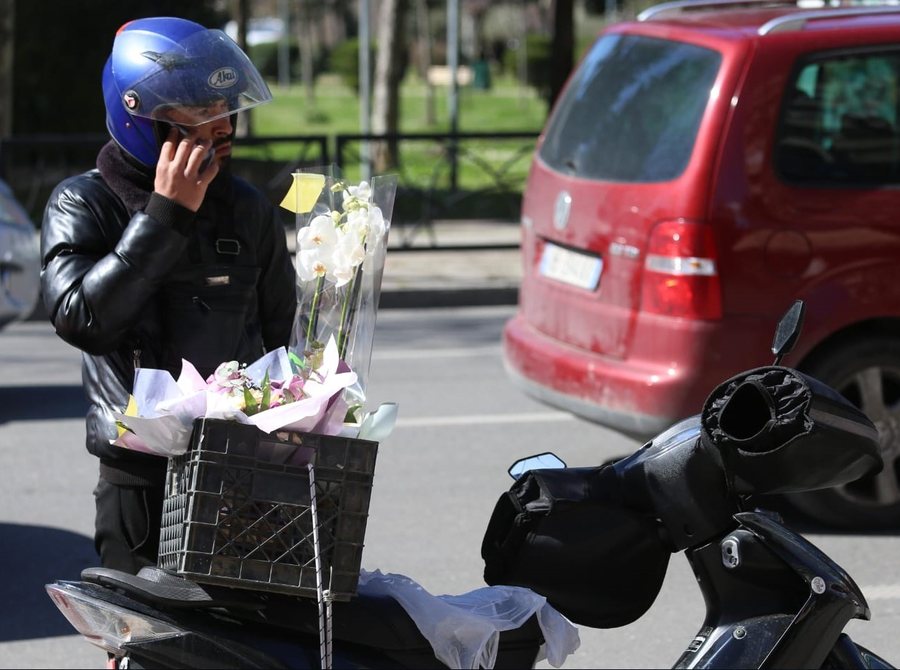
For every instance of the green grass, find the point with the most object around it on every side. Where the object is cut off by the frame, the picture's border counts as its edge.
(334, 109)
(486, 169)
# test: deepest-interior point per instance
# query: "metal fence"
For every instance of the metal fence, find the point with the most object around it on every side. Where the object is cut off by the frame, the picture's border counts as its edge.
(472, 176)
(464, 176)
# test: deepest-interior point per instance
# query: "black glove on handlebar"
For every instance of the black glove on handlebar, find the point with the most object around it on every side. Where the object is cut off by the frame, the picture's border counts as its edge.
(567, 535)
(780, 431)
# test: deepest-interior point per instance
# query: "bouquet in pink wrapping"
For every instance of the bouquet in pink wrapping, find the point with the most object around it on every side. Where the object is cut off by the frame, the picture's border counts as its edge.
(272, 393)
(317, 383)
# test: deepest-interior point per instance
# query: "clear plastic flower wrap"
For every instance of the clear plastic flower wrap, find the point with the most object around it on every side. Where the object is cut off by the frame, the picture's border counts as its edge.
(269, 394)
(342, 234)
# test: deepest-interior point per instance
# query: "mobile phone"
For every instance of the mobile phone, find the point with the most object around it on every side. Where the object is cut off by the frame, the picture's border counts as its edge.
(210, 153)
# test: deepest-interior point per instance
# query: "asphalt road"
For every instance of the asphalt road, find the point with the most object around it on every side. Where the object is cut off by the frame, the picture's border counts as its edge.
(438, 476)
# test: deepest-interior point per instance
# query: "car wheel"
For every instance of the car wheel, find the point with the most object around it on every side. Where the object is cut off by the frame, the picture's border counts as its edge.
(867, 373)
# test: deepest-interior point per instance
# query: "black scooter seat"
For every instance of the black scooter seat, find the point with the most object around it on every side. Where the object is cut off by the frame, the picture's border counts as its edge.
(374, 621)
(163, 589)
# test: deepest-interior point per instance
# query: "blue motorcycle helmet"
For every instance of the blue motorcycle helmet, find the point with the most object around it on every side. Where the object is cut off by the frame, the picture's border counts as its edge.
(160, 63)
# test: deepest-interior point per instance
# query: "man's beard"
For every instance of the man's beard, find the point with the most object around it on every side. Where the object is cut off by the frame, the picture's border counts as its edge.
(225, 161)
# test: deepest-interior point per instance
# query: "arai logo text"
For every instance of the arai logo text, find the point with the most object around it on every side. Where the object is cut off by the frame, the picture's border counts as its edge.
(223, 78)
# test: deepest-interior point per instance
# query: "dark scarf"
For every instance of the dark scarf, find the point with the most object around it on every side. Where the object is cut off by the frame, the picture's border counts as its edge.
(133, 182)
(129, 179)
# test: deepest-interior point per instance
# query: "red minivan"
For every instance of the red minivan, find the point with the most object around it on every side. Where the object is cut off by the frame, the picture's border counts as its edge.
(706, 165)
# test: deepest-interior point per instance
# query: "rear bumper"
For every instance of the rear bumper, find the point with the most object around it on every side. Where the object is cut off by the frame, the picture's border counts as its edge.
(634, 424)
(639, 398)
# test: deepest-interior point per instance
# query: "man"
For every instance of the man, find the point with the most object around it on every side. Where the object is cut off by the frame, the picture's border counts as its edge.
(160, 254)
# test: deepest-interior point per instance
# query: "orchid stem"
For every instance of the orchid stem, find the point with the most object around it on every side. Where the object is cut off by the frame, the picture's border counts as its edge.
(314, 312)
(345, 309)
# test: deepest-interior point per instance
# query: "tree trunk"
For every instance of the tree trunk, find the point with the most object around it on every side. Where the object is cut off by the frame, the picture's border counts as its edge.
(7, 40)
(425, 49)
(306, 37)
(386, 98)
(563, 48)
(241, 9)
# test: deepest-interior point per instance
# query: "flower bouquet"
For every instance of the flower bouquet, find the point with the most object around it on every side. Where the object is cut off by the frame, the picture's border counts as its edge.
(272, 393)
(316, 384)
(342, 233)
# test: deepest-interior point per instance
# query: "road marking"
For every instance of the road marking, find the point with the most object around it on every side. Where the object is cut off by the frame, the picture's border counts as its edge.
(882, 592)
(483, 419)
(462, 352)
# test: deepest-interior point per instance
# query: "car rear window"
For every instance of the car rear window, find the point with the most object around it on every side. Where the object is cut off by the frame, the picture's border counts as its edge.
(839, 121)
(632, 110)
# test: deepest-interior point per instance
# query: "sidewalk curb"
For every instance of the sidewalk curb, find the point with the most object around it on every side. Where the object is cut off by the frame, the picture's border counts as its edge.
(468, 297)
(476, 264)
(411, 299)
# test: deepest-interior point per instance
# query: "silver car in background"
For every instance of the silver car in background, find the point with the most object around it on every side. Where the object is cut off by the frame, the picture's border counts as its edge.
(20, 263)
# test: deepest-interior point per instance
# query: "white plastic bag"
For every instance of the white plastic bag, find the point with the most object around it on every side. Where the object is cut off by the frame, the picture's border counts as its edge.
(464, 630)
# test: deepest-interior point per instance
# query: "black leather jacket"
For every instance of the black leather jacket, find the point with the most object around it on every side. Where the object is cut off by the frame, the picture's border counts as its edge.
(148, 288)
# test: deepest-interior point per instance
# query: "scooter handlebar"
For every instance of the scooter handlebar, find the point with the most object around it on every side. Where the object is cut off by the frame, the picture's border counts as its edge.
(781, 431)
(767, 430)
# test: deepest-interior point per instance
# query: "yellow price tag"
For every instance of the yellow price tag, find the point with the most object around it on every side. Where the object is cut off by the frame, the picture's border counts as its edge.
(303, 193)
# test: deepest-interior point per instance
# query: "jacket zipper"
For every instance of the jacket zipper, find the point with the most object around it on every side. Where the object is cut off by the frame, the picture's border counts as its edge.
(136, 358)
(201, 305)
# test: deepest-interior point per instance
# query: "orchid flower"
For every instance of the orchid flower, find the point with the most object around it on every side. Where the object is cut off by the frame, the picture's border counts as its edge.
(320, 233)
(316, 243)
(354, 196)
(313, 264)
(228, 378)
(339, 254)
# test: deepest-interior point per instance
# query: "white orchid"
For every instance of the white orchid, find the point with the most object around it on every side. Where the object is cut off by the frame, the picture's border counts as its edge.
(335, 253)
(356, 196)
(334, 248)
(352, 242)
(313, 264)
(316, 247)
(377, 227)
(344, 267)
(358, 215)
(320, 233)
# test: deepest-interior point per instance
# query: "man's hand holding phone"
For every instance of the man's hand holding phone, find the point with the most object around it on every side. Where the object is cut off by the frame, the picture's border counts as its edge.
(185, 169)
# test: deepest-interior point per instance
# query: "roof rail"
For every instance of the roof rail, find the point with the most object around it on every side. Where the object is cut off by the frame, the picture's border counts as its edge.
(799, 20)
(679, 5)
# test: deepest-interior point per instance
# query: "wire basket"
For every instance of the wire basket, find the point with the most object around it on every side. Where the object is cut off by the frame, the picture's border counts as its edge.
(239, 511)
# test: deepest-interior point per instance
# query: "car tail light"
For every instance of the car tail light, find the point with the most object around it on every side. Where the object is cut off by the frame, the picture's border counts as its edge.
(106, 625)
(681, 277)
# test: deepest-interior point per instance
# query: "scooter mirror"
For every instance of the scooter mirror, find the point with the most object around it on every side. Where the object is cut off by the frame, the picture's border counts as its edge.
(545, 461)
(788, 330)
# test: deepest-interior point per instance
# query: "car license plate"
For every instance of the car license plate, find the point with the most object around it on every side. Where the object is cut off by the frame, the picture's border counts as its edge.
(571, 267)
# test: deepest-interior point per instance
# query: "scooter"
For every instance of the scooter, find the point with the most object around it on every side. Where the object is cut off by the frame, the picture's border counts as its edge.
(594, 541)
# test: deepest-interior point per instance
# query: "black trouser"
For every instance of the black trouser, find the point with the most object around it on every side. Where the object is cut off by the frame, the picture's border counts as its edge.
(126, 528)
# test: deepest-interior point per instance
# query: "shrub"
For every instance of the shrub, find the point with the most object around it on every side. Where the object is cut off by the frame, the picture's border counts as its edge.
(344, 61)
(538, 61)
(265, 58)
